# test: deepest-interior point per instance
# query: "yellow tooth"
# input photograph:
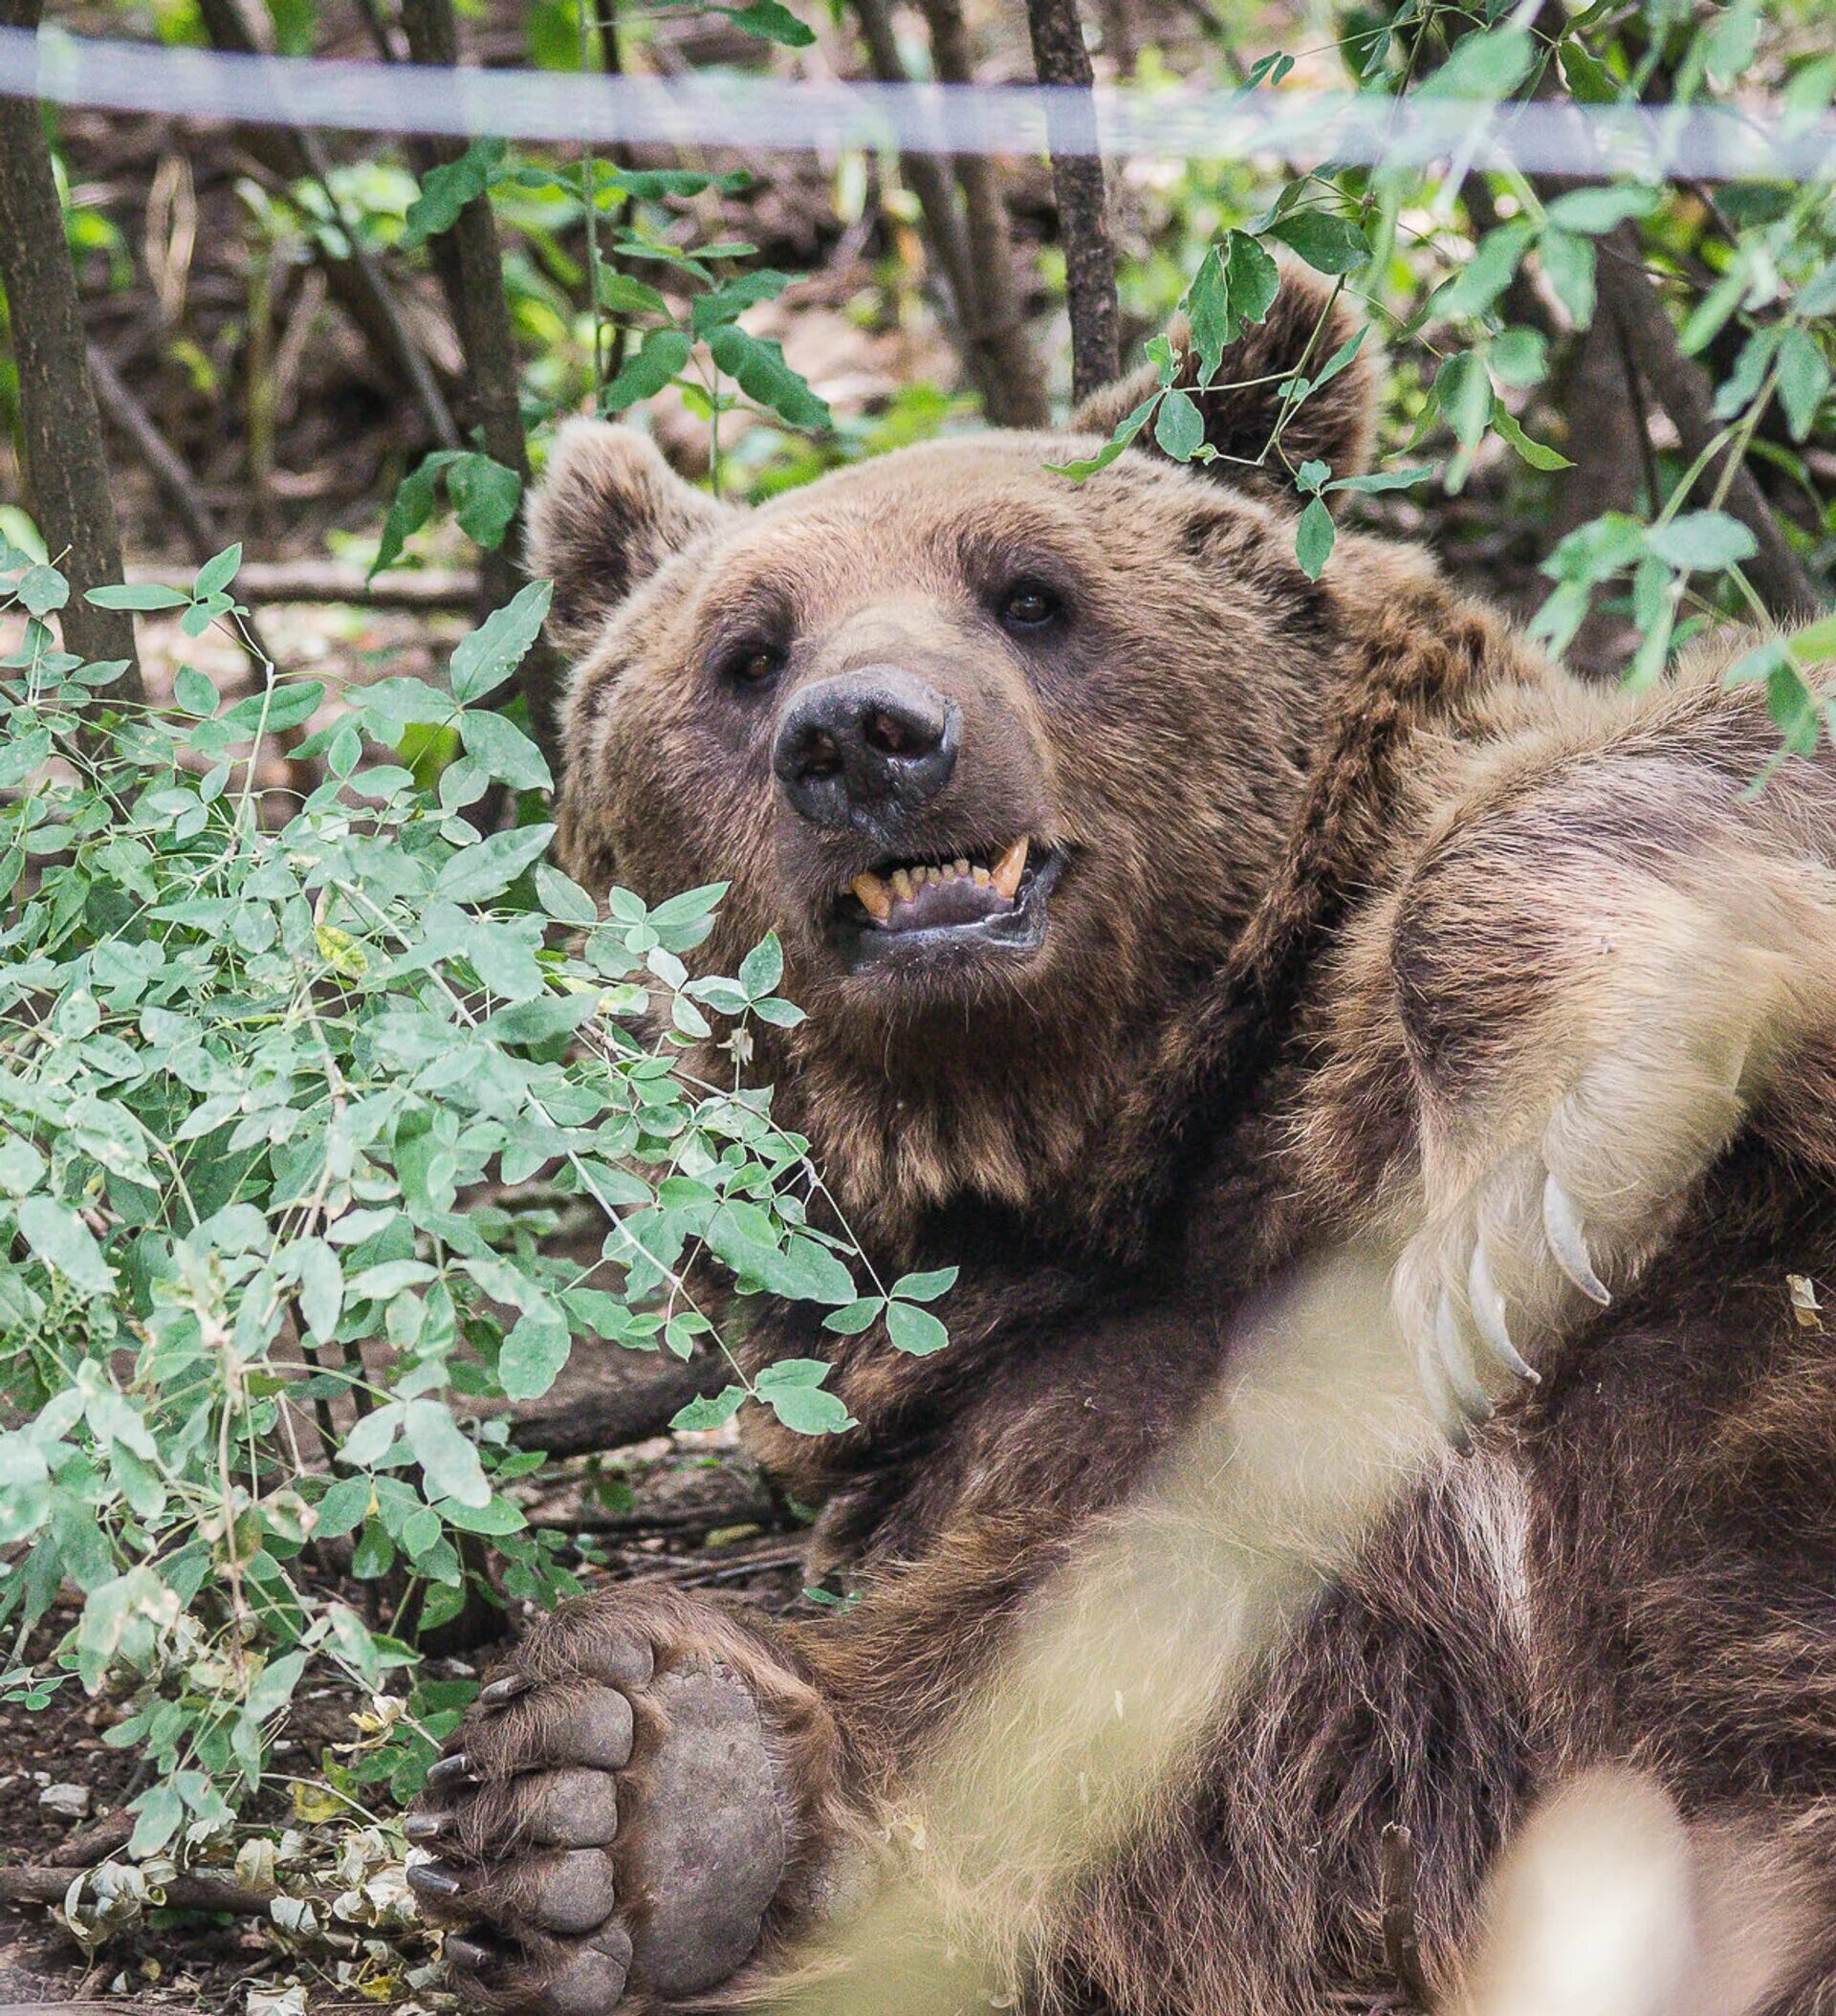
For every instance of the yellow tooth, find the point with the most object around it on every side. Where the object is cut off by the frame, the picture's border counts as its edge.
(902, 884)
(875, 898)
(959, 865)
(1008, 869)
(980, 876)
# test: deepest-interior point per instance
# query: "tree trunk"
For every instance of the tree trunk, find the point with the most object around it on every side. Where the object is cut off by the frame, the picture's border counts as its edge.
(1061, 58)
(61, 431)
(472, 270)
(1682, 388)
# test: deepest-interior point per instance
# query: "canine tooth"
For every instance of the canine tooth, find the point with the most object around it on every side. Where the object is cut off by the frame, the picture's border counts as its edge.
(902, 884)
(1008, 869)
(875, 898)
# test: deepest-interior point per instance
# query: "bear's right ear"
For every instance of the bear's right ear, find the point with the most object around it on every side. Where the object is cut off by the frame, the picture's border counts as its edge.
(1244, 410)
(607, 513)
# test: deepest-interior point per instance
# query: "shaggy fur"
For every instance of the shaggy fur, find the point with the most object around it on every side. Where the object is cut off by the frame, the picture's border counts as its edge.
(1375, 925)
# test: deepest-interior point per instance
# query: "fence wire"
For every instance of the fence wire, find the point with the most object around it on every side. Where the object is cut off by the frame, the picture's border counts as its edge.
(1757, 139)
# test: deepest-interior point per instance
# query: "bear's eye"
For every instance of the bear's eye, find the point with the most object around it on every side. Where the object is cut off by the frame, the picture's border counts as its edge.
(1030, 605)
(753, 663)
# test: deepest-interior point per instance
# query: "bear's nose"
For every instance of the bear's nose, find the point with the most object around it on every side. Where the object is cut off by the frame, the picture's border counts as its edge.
(852, 749)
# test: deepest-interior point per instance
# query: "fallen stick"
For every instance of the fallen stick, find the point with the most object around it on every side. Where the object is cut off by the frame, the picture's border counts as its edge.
(625, 1411)
(419, 591)
(50, 1886)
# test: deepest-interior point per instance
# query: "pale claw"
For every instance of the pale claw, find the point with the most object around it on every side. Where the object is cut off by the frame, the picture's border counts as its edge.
(1488, 1316)
(1562, 1226)
(1470, 1395)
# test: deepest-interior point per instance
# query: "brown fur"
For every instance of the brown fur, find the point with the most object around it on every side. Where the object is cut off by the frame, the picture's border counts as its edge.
(1375, 922)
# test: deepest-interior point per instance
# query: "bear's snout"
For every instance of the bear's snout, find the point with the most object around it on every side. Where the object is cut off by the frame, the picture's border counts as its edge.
(866, 747)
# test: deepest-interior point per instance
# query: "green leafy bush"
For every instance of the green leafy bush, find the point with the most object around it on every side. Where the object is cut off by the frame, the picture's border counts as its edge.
(288, 1108)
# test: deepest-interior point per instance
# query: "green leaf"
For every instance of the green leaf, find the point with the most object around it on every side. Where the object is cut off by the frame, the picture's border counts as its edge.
(136, 594)
(1535, 452)
(1488, 66)
(484, 660)
(488, 866)
(1255, 278)
(1126, 429)
(709, 1411)
(503, 750)
(1804, 380)
(445, 190)
(484, 496)
(1569, 262)
(344, 1507)
(762, 967)
(727, 303)
(1592, 211)
(807, 1409)
(772, 23)
(193, 693)
(1489, 271)
(448, 1457)
(661, 355)
(563, 898)
(1179, 429)
(1587, 77)
(1327, 240)
(855, 1317)
(1703, 542)
(1314, 537)
(217, 573)
(1209, 318)
(532, 1355)
(759, 371)
(913, 1330)
(926, 1287)
(62, 1239)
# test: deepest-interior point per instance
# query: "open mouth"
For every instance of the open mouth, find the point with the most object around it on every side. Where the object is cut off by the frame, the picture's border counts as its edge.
(919, 909)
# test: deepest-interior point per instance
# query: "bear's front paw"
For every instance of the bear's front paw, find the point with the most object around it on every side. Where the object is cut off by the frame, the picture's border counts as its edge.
(1531, 1236)
(610, 1822)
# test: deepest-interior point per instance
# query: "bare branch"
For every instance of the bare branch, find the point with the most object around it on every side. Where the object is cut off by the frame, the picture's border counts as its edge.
(356, 280)
(1061, 57)
(1013, 387)
(619, 1411)
(1682, 388)
(61, 428)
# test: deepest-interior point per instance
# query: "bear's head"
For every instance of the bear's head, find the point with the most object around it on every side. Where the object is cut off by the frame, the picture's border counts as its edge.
(1004, 758)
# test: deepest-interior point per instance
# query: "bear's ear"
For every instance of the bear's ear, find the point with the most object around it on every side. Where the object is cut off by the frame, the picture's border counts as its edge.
(1304, 328)
(607, 513)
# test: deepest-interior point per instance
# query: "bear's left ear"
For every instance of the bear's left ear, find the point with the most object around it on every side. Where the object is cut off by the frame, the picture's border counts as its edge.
(1305, 326)
(606, 515)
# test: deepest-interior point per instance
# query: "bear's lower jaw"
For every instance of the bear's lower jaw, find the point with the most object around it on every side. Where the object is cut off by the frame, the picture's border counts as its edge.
(933, 939)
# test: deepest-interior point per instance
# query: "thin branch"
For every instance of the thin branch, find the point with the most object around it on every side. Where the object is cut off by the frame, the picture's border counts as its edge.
(1683, 389)
(1402, 1944)
(1013, 387)
(421, 590)
(616, 1414)
(925, 176)
(356, 280)
(1061, 57)
(61, 428)
(172, 478)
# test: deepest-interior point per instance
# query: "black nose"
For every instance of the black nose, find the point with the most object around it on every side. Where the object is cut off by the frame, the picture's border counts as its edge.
(854, 748)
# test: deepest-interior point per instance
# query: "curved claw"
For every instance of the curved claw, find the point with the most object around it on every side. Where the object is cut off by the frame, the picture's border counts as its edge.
(1488, 1317)
(1562, 1226)
(1468, 1393)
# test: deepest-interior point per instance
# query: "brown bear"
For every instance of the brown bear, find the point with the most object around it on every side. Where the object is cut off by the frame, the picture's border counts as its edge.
(1163, 916)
